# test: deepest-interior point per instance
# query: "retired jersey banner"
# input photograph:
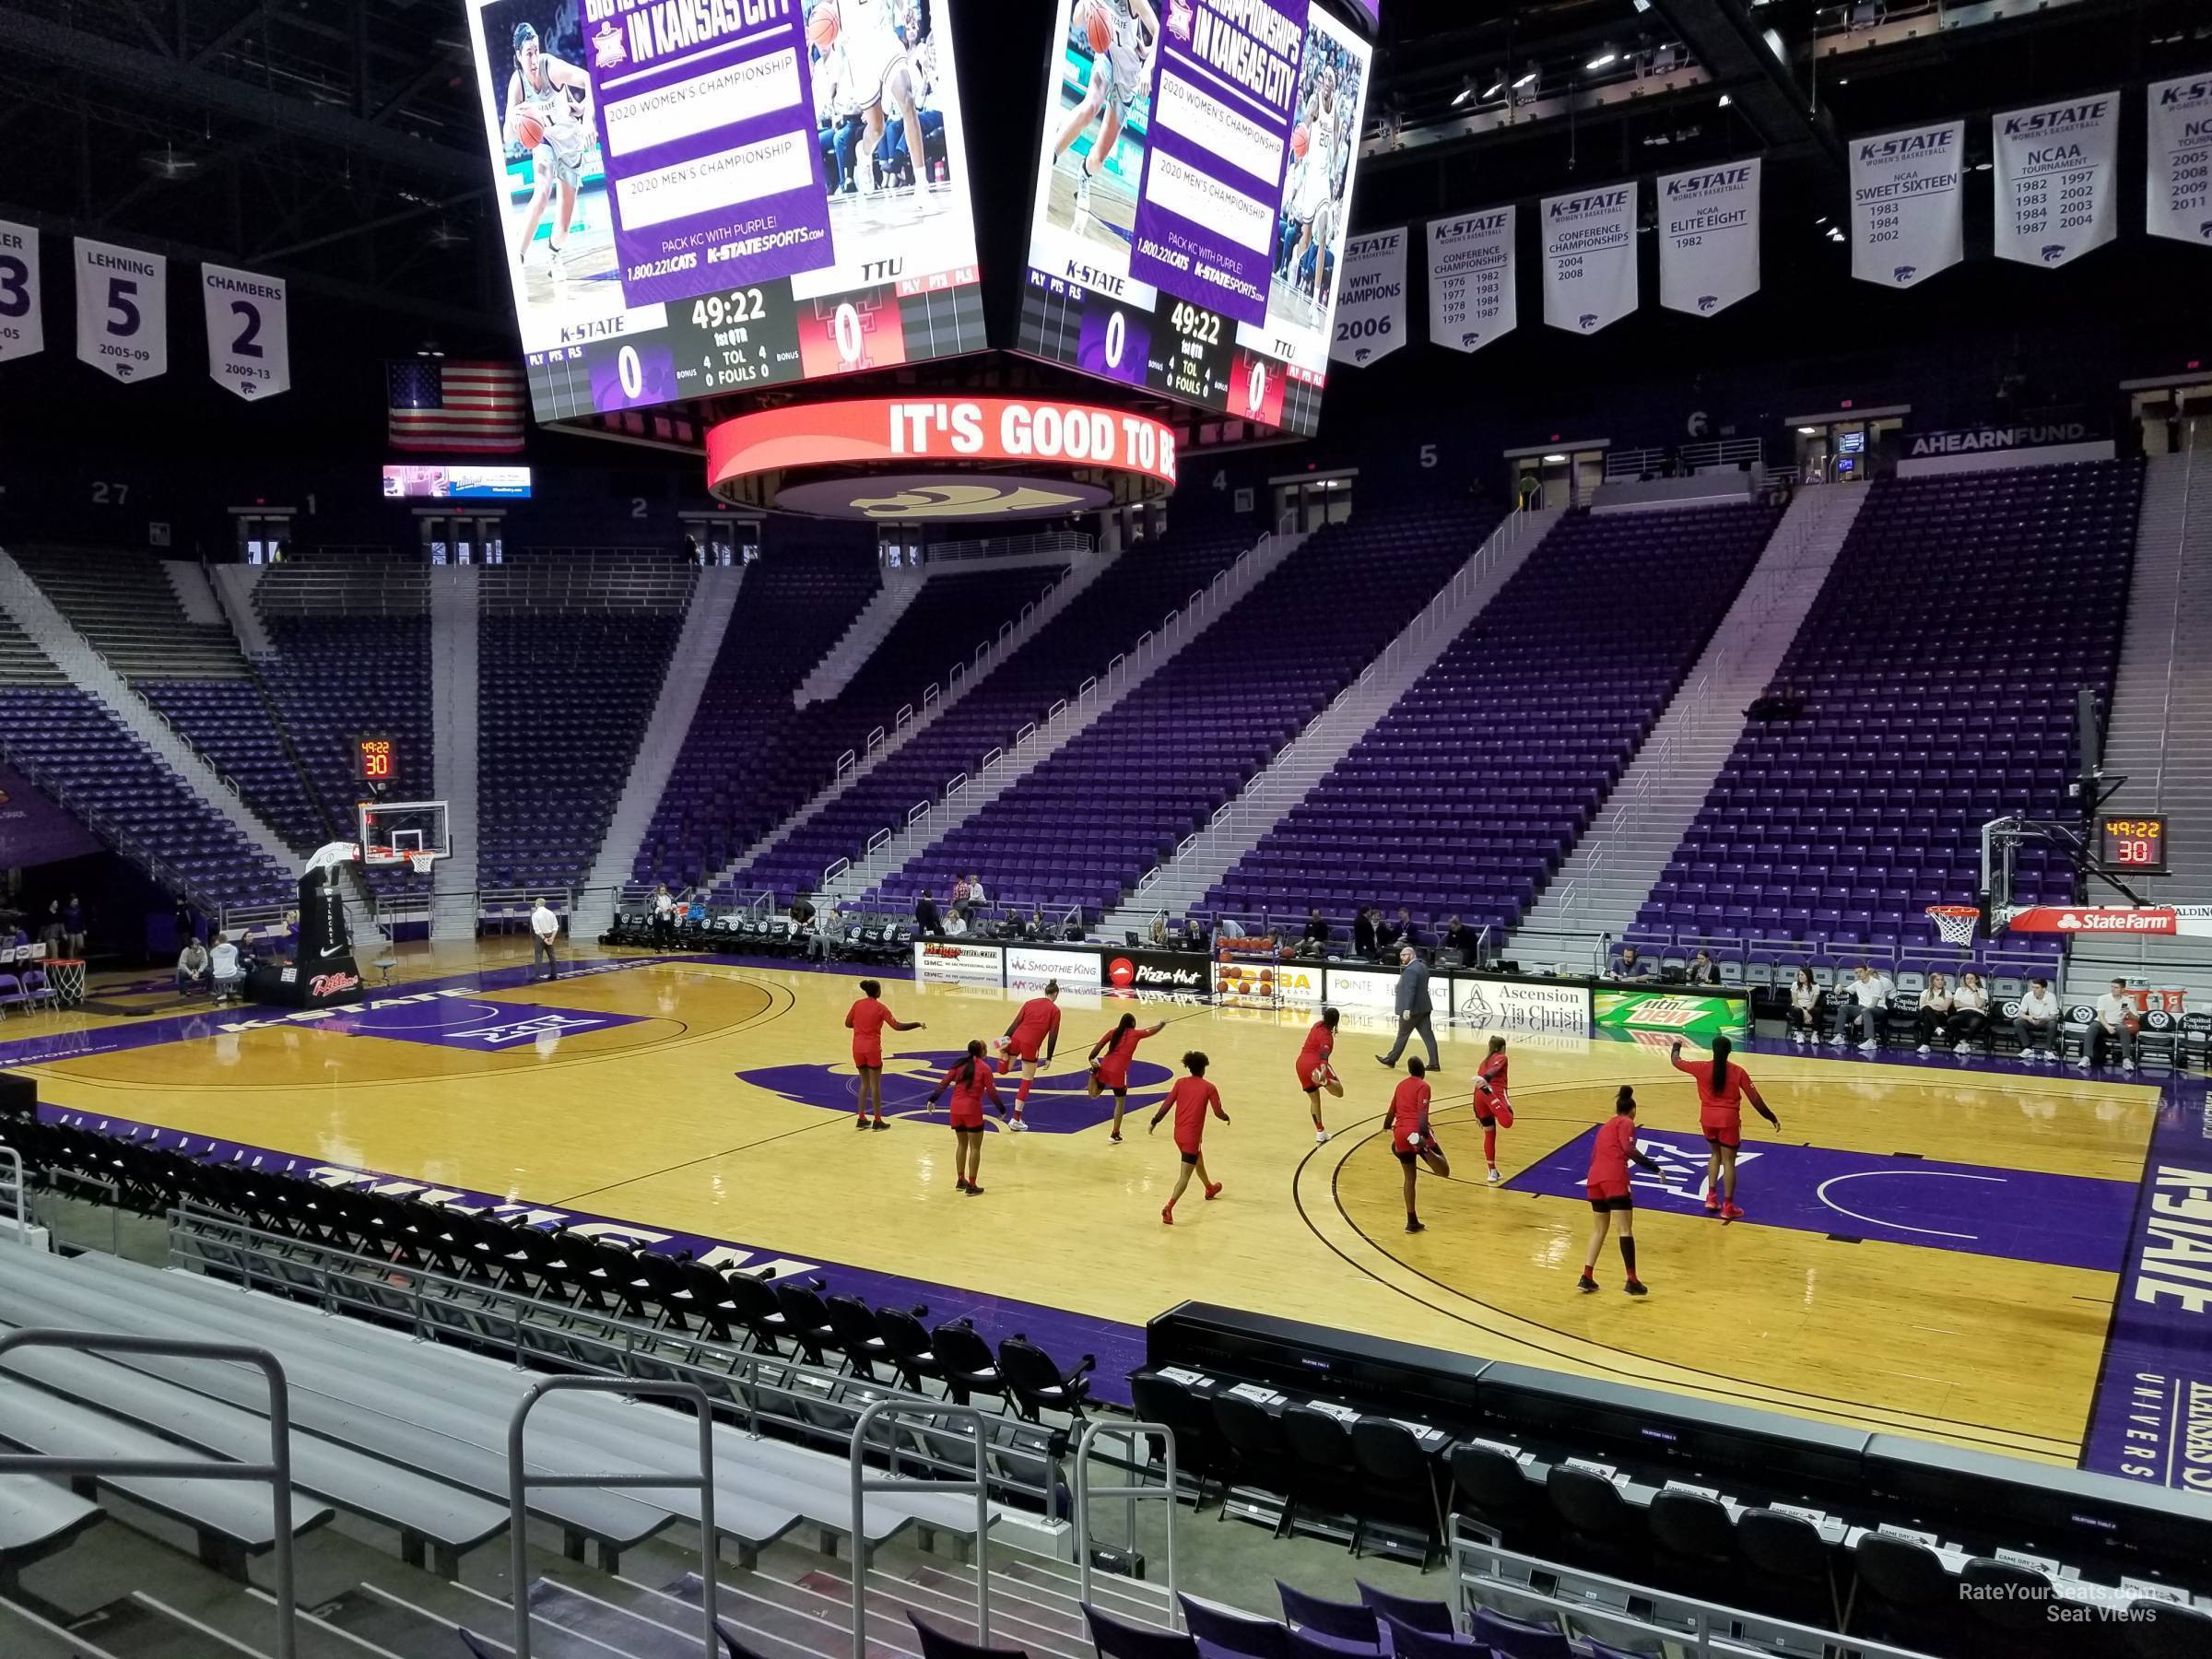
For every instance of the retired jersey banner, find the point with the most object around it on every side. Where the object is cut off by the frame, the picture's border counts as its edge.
(121, 310)
(1709, 238)
(2057, 192)
(1371, 298)
(1905, 219)
(1590, 258)
(1472, 273)
(22, 328)
(249, 338)
(2180, 184)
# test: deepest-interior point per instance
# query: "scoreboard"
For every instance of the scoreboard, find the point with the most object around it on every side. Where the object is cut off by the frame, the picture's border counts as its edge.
(2136, 845)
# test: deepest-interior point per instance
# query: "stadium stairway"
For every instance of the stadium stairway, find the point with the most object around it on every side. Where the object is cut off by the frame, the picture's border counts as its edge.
(1074, 717)
(234, 585)
(1610, 873)
(1176, 887)
(195, 595)
(868, 630)
(456, 606)
(2160, 733)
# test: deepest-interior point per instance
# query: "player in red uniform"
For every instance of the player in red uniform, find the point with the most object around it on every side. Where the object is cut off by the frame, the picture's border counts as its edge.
(972, 1084)
(1110, 1057)
(1493, 1110)
(1610, 1156)
(865, 1020)
(1035, 1026)
(1410, 1138)
(1189, 1100)
(1315, 1073)
(1723, 1086)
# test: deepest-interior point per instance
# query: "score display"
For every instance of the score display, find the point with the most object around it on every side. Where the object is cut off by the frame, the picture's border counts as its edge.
(374, 760)
(1194, 193)
(2133, 844)
(696, 200)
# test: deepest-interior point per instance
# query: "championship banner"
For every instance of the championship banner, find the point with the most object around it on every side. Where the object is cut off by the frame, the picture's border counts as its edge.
(1471, 273)
(249, 338)
(2178, 188)
(22, 328)
(122, 311)
(1590, 258)
(1709, 238)
(2056, 192)
(1370, 300)
(1905, 219)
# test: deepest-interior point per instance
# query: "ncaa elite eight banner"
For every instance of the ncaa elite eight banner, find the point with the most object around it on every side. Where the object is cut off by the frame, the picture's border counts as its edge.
(1471, 273)
(1709, 238)
(2179, 189)
(248, 333)
(1370, 300)
(2055, 189)
(1905, 219)
(122, 311)
(1590, 258)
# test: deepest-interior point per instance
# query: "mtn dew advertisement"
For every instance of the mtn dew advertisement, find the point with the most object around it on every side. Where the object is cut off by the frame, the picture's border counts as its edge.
(1694, 1016)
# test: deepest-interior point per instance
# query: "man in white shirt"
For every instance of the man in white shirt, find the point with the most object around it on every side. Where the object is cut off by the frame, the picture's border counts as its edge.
(664, 914)
(975, 890)
(2114, 1010)
(1870, 998)
(222, 963)
(2037, 1022)
(545, 930)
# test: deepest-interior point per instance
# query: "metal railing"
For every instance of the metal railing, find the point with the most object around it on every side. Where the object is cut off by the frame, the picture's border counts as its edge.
(16, 1194)
(863, 1485)
(1130, 1495)
(2173, 636)
(520, 1481)
(1074, 543)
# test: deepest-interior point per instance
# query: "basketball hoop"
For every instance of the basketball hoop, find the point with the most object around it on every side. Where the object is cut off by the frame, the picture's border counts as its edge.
(422, 861)
(1955, 924)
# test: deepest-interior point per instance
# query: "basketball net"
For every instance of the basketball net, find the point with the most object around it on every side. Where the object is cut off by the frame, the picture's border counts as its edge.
(1955, 924)
(422, 861)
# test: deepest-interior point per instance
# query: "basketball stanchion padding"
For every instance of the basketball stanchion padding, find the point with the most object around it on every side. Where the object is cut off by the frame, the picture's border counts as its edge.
(18, 1096)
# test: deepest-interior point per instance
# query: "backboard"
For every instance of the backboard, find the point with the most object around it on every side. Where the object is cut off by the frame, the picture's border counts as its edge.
(395, 832)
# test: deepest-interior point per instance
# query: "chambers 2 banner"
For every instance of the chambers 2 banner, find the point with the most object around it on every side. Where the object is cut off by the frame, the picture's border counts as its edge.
(1370, 300)
(1709, 238)
(1590, 258)
(1471, 277)
(2178, 188)
(2055, 189)
(249, 332)
(1905, 219)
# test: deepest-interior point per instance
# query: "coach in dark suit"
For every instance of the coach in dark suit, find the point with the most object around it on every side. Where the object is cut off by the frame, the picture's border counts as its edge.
(1414, 1009)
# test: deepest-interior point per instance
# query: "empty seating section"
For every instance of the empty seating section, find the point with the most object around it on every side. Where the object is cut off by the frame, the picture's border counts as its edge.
(1133, 593)
(1938, 668)
(1117, 799)
(1467, 795)
(570, 657)
(21, 662)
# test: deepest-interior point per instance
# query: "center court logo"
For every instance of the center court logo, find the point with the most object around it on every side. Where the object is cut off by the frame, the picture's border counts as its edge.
(1057, 1102)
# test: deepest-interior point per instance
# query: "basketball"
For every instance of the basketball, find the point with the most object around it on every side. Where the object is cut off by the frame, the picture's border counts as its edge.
(1098, 23)
(2130, 1024)
(1302, 140)
(529, 129)
(822, 26)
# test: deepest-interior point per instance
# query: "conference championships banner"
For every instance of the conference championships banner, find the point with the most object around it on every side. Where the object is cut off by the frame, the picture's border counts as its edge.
(1905, 219)
(2178, 188)
(1709, 238)
(1471, 273)
(1370, 300)
(2055, 184)
(1590, 258)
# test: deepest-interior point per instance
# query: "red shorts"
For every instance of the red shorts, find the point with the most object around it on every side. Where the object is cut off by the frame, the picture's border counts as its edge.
(968, 1117)
(1307, 1066)
(1608, 1195)
(1188, 1148)
(1113, 1076)
(1019, 1047)
(869, 1059)
(1728, 1131)
(1499, 1116)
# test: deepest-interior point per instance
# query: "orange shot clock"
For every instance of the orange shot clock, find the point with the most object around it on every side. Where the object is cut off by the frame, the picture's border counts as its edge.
(375, 761)
(2134, 844)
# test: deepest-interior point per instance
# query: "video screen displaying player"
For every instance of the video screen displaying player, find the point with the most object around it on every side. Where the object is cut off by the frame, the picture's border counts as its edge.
(1101, 118)
(1315, 217)
(552, 189)
(875, 66)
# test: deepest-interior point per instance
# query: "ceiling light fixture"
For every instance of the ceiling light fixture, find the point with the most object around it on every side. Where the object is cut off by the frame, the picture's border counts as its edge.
(1605, 56)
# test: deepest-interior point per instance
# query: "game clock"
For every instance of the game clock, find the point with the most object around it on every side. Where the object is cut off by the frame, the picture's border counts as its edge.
(2136, 845)
(375, 761)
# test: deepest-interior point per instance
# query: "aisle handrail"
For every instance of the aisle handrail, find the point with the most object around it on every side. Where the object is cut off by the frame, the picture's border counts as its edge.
(863, 1485)
(1084, 1492)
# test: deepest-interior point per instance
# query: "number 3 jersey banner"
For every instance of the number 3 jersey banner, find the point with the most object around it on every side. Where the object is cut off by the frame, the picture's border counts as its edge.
(121, 310)
(1590, 258)
(1471, 273)
(2180, 184)
(22, 333)
(1905, 219)
(1709, 238)
(2054, 179)
(249, 339)
(1371, 298)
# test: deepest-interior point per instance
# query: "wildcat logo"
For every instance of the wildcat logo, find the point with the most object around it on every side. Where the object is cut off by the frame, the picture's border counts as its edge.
(1707, 301)
(2053, 252)
(1473, 338)
(1057, 1104)
(2205, 229)
(1361, 355)
(1587, 320)
(1904, 273)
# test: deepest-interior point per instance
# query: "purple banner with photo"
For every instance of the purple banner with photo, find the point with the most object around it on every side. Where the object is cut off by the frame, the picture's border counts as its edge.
(1225, 94)
(707, 122)
(33, 830)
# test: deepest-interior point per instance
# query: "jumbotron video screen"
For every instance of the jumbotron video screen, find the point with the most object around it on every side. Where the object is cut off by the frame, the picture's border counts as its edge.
(703, 198)
(1193, 189)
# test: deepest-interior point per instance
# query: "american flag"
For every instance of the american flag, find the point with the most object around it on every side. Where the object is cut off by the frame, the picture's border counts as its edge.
(448, 405)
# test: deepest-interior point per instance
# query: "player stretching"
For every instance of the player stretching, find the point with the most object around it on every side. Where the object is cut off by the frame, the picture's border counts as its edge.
(1493, 1110)
(1038, 1023)
(1411, 1136)
(1610, 1155)
(1122, 35)
(970, 1083)
(1189, 1100)
(865, 1020)
(1315, 1073)
(555, 128)
(1722, 1087)
(1118, 1047)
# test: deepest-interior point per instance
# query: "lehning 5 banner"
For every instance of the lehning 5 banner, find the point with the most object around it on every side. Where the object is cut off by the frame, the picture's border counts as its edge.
(1905, 219)
(1590, 258)
(1370, 300)
(1709, 238)
(1472, 272)
(2054, 179)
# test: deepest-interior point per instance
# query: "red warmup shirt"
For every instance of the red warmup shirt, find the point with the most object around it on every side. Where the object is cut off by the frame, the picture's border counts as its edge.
(1120, 1048)
(865, 1020)
(1321, 1043)
(1408, 1112)
(1491, 1071)
(968, 1098)
(1721, 1099)
(1609, 1156)
(1193, 1098)
(1039, 1019)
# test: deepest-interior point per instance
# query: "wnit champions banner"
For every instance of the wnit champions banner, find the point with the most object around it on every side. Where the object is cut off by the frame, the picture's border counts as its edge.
(1224, 99)
(2179, 189)
(1471, 279)
(1590, 258)
(1905, 219)
(2055, 194)
(249, 332)
(1370, 301)
(1709, 238)
(122, 311)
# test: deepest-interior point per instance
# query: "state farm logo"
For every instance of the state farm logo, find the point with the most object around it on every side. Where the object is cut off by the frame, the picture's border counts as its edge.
(330, 984)
(2099, 921)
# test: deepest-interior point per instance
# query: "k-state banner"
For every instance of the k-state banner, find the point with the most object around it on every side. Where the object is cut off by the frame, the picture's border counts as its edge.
(249, 338)
(121, 310)
(22, 327)
(2180, 185)
(1371, 298)
(1709, 238)
(1590, 258)
(2056, 188)
(1472, 273)
(1905, 219)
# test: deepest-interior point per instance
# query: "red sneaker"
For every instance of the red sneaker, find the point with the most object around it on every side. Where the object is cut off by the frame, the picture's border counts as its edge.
(1713, 1204)
(1732, 1211)
(1167, 1214)
(1214, 1192)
